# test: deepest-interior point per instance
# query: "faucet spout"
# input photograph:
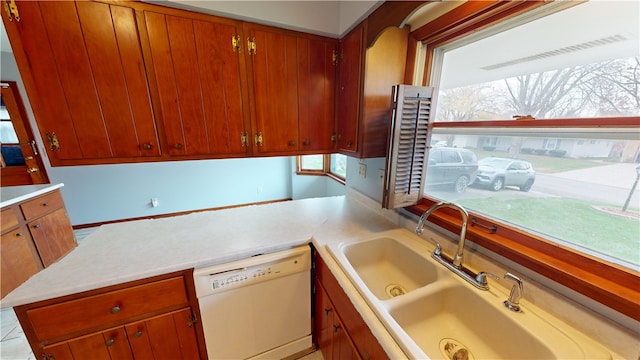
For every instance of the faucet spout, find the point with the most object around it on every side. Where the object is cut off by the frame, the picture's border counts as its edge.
(458, 258)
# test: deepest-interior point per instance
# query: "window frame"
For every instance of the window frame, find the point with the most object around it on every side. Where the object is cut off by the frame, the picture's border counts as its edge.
(326, 169)
(609, 284)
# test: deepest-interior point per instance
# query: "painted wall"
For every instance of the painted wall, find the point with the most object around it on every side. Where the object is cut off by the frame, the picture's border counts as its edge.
(370, 185)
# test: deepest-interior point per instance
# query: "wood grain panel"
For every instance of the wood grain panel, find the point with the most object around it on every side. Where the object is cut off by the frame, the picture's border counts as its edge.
(42, 205)
(350, 84)
(316, 94)
(77, 80)
(38, 69)
(84, 313)
(53, 236)
(276, 90)
(18, 261)
(165, 78)
(125, 27)
(219, 68)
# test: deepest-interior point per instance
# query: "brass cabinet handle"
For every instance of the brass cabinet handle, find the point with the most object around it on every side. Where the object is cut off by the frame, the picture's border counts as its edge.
(137, 334)
(336, 328)
(306, 142)
(36, 226)
(146, 146)
(45, 204)
(327, 311)
(19, 234)
(292, 143)
(115, 309)
(110, 342)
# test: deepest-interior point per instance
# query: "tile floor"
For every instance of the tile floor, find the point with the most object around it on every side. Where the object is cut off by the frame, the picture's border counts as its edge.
(14, 345)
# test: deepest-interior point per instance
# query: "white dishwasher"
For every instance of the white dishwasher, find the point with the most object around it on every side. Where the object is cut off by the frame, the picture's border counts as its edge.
(258, 308)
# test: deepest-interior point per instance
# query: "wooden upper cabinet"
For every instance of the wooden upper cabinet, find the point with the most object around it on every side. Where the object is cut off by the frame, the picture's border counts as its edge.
(84, 73)
(201, 88)
(366, 78)
(350, 58)
(293, 81)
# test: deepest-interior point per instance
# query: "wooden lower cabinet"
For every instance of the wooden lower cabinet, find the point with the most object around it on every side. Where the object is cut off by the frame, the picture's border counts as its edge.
(340, 332)
(154, 318)
(36, 233)
(168, 336)
(331, 337)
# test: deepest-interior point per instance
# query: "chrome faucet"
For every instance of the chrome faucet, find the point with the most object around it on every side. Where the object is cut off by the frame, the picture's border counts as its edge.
(457, 260)
(454, 264)
(517, 290)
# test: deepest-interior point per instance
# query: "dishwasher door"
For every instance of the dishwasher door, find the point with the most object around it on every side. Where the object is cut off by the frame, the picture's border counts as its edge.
(257, 308)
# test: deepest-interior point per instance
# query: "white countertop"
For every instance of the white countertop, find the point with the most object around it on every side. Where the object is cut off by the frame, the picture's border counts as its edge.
(133, 250)
(10, 195)
(128, 251)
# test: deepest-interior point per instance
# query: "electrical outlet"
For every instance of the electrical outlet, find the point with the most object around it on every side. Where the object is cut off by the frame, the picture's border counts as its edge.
(362, 171)
(154, 202)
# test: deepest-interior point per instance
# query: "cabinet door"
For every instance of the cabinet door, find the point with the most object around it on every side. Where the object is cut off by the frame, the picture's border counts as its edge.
(83, 70)
(53, 236)
(275, 87)
(110, 344)
(323, 321)
(168, 336)
(19, 259)
(349, 89)
(316, 94)
(199, 82)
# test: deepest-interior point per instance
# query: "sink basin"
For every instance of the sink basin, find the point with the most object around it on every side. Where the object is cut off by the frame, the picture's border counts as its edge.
(459, 319)
(433, 313)
(388, 267)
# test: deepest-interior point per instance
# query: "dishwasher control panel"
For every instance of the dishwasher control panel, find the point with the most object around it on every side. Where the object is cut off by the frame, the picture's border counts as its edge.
(251, 271)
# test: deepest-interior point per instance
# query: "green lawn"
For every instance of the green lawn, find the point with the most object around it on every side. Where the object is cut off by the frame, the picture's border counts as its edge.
(574, 221)
(546, 164)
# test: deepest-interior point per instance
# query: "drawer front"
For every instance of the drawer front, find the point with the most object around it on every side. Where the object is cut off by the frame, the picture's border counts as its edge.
(107, 309)
(42, 205)
(8, 219)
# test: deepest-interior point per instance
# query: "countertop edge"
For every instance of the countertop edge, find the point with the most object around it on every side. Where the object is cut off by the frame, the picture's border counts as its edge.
(29, 192)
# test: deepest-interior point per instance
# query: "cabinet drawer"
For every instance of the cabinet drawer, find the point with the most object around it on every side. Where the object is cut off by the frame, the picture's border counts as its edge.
(42, 205)
(107, 309)
(8, 219)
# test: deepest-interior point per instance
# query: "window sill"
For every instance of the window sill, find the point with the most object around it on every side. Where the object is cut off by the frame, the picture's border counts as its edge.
(613, 286)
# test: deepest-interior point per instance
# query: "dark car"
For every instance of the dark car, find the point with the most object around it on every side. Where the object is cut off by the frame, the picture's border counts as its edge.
(497, 172)
(452, 167)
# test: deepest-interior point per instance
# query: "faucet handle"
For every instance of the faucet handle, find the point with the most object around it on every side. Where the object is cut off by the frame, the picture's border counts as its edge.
(482, 277)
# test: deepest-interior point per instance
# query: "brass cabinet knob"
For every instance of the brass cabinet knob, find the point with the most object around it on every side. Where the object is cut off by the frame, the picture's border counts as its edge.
(110, 342)
(306, 142)
(177, 146)
(147, 146)
(115, 309)
(292, 143)
(137, 334)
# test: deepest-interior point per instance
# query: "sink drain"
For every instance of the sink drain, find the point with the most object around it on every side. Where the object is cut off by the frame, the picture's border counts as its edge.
(454, 350)
(394, 290)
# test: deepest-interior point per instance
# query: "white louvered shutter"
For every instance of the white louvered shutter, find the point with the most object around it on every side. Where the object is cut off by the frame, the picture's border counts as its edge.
(407, 147)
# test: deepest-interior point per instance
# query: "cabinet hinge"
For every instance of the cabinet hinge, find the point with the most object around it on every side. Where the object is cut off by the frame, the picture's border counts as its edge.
(12, 10)
(251, 45)
(244, 139)
(54, 144)
(258, 139)
(48, 357)
(335, 57)
(235, 42)
(192, 319)
(333, 138)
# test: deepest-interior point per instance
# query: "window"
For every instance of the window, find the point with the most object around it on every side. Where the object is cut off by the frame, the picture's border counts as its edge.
(332, 165)
(554, 122)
